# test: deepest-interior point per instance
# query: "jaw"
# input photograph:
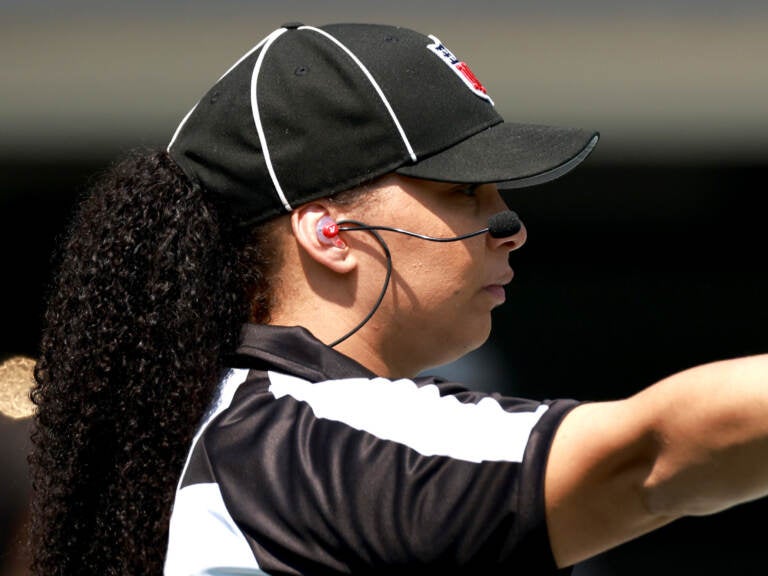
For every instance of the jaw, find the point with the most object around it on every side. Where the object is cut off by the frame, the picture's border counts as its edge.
(412, 350)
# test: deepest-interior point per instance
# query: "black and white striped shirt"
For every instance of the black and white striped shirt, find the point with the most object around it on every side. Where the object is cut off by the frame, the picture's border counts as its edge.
(308, 463)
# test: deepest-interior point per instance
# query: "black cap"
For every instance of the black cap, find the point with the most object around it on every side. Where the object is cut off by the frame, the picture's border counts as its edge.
(309, 112)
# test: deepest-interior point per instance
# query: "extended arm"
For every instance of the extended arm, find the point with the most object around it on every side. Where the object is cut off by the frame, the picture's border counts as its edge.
(695, 443)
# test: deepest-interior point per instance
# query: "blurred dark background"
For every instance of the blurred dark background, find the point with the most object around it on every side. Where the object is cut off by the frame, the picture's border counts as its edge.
(647, 259)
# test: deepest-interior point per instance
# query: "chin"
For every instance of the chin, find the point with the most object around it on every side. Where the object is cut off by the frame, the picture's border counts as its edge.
(481, 333)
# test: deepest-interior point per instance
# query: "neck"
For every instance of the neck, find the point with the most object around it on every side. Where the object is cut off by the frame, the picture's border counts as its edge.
(329, 326)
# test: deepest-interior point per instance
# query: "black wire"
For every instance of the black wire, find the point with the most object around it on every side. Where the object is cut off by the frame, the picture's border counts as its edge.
(384, 246)
(362, 226)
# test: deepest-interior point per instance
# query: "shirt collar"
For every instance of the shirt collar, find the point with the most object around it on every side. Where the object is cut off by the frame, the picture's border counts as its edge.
(293, 350)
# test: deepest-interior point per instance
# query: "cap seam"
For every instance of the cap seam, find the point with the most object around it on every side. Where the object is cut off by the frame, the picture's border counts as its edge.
(257, 117)
(235, 65)
(376, 87)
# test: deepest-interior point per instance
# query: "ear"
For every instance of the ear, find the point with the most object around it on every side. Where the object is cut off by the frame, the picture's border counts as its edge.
(306, 226)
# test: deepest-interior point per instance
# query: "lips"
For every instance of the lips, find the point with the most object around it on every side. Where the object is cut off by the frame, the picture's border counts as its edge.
(496, 288)
(497, 291)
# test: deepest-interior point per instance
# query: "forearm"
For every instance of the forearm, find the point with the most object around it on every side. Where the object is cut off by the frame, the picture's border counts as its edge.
(711, 424)
(694, 443)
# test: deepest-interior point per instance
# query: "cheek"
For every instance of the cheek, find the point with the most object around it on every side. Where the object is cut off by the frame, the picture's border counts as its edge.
(444, 276)
(436, 303)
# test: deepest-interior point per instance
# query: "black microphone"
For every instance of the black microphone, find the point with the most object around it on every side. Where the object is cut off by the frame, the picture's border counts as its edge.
(504, 224)
(500, 225)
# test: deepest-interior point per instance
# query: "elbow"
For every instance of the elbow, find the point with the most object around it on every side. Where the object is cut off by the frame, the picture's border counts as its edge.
(698, 484)
(673, 486)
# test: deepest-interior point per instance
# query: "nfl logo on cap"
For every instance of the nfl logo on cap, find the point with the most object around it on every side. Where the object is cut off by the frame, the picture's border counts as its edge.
(460, 68)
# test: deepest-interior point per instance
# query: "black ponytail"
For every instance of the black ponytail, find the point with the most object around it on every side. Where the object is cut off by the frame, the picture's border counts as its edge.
(152, 288)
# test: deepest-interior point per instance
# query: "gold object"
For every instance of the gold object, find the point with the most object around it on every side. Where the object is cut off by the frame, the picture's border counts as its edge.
(16, 380)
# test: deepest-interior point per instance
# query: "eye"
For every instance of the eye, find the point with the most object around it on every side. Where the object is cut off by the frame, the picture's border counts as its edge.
(468, 190)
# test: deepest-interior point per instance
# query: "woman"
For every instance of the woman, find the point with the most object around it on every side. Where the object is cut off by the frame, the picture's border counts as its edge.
(227, 381)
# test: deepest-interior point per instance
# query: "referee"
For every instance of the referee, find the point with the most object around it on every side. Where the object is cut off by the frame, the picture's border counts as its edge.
(228, 374)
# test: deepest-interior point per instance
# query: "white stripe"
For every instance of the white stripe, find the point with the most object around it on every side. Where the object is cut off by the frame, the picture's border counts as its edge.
(243, 57)
(180, 126)
(221, 402)
(257, 118)
(375, 85)
(184, 120)
(203, 538)
(418, 417)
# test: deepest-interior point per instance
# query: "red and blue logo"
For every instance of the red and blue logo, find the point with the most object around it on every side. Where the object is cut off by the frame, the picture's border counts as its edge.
(461, 69)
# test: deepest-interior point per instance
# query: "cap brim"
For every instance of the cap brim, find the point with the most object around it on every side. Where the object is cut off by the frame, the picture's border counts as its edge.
(511, 155)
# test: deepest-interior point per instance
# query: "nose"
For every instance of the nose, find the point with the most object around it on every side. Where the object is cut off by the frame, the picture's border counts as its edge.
(509, 243)
(514, 240)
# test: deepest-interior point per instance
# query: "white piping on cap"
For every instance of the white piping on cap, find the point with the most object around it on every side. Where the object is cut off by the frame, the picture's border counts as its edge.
(184, 120)
(266, 43)
(180, 126)
(257, 119)
(375, 85)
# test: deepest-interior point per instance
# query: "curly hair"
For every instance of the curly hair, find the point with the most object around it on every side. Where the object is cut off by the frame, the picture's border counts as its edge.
(153, 282)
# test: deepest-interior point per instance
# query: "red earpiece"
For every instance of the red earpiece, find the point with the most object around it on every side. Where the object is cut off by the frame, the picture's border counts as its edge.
(328, 232)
